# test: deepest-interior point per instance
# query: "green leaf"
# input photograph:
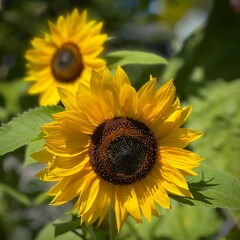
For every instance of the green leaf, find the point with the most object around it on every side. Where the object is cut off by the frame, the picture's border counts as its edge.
(216, 111)
(62, 228)
(48, 232)
(121, 58)
(181, 222)
(20, 197)
(32, 147)
(24, 128)
(212, 188)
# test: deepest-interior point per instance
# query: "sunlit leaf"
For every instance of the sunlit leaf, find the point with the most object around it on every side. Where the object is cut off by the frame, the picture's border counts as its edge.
(179, 223)
(216, 111)
(212, 188)
(121, 58)
(24, 128)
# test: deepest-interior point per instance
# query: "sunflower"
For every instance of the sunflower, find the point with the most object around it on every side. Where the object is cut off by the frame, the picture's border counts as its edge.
(113, 146)
(65, 57)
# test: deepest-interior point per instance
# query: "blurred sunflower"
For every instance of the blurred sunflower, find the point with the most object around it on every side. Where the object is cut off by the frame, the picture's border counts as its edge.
(65, 57)
(117, 147)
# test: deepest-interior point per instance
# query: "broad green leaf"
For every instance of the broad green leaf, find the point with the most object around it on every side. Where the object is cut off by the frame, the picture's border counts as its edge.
(48, 232)
(216, 111)
(212, 188)
(24, 128)
(121, 58)
(18, 196)
(64, 227)
(185, 222)
(179, 223)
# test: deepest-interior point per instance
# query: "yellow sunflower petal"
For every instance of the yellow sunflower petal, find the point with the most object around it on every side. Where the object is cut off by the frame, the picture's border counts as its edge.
(40, 86)
(104, 200)
(96, 63)
(145, 200)
(161, 102)
(76, 123)
(66, 168)
(146, 93)
(49, 97)
(92, 194)
(128, 101)
(84, 193)
(57, 187)
(179, 158)
(47, 175)
(157, 192)
(67, 98)
(175, 190)
(43, 156)
(131, 202)
(42, 45)
(73, 182)
(121, 78)
(56, 35)
(176, 119)
(180, 137)
(109, 101)
(119, 208)
(94, 109)
(173, 175)
(38, 57)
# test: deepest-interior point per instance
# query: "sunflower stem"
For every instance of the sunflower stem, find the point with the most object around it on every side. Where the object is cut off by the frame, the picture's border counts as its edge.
(92, 234)
(112, 225)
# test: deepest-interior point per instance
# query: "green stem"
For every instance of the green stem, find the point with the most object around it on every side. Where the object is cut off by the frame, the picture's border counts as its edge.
(92, 234)
(112, 225)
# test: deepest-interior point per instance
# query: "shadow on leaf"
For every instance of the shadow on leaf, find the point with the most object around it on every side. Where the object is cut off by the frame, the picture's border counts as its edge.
(196, 188)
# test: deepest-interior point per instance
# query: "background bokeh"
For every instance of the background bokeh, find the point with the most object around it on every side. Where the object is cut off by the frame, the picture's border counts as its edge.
(200, 39)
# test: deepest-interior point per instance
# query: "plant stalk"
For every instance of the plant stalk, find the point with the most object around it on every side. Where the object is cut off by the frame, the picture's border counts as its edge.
(112, 224)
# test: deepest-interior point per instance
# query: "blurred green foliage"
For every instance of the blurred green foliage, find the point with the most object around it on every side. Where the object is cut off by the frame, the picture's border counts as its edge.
(205, 68)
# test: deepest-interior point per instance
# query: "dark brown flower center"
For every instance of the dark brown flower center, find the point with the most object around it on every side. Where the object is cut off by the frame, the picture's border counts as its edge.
(122, 151)
(67, 64)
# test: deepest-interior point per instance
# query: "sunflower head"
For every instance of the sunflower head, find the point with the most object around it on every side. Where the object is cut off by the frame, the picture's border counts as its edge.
(113, 146)
(65, 56)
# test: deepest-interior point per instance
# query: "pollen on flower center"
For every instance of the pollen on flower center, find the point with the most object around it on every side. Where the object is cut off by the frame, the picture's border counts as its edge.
(67, 63)
(122, 151)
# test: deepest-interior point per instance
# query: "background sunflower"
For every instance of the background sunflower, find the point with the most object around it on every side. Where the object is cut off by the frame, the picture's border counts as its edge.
(65, 56)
